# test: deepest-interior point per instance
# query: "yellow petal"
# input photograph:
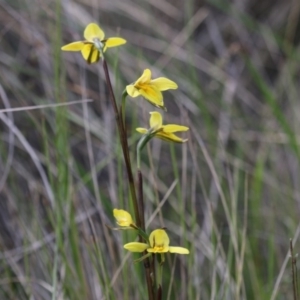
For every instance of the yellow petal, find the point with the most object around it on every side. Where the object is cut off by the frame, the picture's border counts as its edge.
(141, 130)
(114, 41)
(132, 91)
(159, 237)
(170, 137)
(123, 217)
(164, 84)
(153, 95)
(155, 120)
(90, 53)
(93, 31)
(159, 241)
(158, 250)
(170, 128)
(145, 78)
(75, 46)
(136, 247)
(179, 250)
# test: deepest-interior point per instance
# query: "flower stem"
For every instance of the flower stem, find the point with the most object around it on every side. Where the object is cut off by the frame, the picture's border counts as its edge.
(123, 106)
(141, 144)
(124, 145)
(138, 207)
(147, 262)
(141, 199)
(149, 278)
(159, 279)
(159, 293)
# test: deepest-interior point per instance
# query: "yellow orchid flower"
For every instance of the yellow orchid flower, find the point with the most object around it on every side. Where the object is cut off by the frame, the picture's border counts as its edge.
(123, 218)
(151, 89)
(164, 132)
(159, 243)
(93, 44)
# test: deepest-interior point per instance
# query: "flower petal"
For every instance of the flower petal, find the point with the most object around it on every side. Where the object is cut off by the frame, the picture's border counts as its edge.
(158, 250)
(155, 120)
(179, 250)
(141, 130)
(114, 41)
(169, 137)
(174, 128)
(123, 217)
(153, 95)
(75, 46)
(132, 91)
(159, 237)
(164, 84)
(136, 247)
(145, 78)
(93, 31)
(90, 53)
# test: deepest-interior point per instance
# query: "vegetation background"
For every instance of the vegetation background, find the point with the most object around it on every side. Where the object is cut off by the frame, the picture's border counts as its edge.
(230, 194)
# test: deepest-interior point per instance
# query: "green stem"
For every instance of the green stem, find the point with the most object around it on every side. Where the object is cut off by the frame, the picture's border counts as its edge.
(141, 144)
(159, 279)
(160, 269)
(147, 264)
(141, 199)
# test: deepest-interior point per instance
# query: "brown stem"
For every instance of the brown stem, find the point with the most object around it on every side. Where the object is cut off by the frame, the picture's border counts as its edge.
(149, 278)
(123, 124)
(159, 293)
(139, 213)
(123, 140)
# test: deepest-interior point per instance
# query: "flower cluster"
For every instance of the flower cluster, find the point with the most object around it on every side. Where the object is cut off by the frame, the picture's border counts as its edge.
(92, 49)
(158, 241)
(95, 45)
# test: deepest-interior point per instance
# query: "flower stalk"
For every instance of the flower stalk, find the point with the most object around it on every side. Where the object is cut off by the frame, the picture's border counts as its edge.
(138, 207)
(123, 139)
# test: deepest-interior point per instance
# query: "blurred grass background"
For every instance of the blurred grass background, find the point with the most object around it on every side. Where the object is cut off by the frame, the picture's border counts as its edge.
(231, 194)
